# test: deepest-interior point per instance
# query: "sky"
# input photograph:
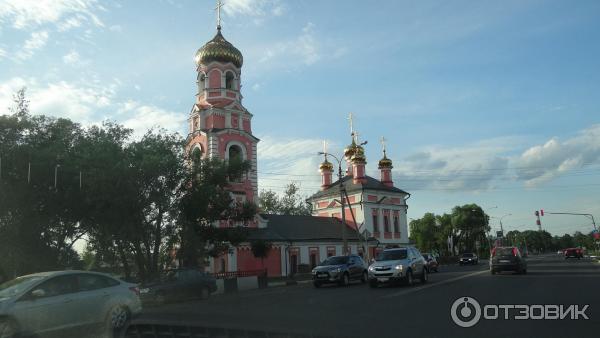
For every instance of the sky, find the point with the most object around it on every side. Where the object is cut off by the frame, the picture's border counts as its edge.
(488, 102)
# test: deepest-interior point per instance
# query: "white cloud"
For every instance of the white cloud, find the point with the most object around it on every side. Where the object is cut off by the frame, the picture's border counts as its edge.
(282, 161)
(254, 8)
(140, 118)
(542, 163)
(116, 28)
(22, 14)
(71, 58)
(304, 47)
(2, 53)
(473, 167)
(36, 41)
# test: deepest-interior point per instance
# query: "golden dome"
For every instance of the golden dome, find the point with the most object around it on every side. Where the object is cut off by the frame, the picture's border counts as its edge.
(219, 49)
(326, 166)
(349, 150)
(385, 163)
(359, 155)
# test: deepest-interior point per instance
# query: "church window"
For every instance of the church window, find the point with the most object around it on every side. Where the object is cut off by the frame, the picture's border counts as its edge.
(201, 83)
(375, 223)
(196, 155)
(235, 153)
(229, 79)
(386, 223)
(396, 225)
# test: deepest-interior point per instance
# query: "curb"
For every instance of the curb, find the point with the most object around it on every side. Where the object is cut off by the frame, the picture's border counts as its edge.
(288, 283)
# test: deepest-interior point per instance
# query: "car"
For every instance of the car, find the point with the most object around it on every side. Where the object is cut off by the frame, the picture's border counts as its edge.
(507, 259)
(468, 258)
(64, 302)
(340, 270)
(574, 253)
(179, 284)
(432, 263)
(398, 265)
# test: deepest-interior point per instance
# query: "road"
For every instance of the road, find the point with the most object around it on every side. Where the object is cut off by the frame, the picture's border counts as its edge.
(418, 311)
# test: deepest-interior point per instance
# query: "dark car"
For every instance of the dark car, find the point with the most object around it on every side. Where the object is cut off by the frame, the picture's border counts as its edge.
(340, 270)
(432, 263)
(179, 284)
(468, 258)
(574, 253)
(507, 259)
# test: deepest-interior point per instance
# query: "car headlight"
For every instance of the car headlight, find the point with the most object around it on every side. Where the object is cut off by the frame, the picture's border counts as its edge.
(398, 267)
(371, 268)
(314, 272)
(336, 270)
(145, 290)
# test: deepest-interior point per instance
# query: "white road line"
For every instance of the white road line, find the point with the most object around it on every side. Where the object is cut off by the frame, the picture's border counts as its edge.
(426, 286)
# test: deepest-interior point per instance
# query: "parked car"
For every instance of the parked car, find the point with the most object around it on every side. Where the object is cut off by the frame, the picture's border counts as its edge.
(398, 265)
(65, 302)
(468, 258)
(507, 259)
(340, 270)
(179, 284)
(432, 263)
(574, 253)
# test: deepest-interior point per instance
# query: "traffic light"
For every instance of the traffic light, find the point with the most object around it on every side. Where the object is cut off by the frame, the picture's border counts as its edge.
(542, 212)
(537, 213)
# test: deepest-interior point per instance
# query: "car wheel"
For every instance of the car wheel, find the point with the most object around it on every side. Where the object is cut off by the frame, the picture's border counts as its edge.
(492, 271)
(365, 277)
(204, 293)
(424, 276)
(345, 279)
(117, 318)
(373, 283)
(8, 328)
(409, 278)
(317, 284)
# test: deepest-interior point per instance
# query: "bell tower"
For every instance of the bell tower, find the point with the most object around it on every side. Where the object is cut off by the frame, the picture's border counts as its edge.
(219, 125)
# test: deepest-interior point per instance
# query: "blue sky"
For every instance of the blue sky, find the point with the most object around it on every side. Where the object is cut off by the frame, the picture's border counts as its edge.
(492, 102)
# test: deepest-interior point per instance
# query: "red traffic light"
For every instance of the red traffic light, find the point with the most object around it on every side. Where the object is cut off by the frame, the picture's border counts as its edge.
(542, 212)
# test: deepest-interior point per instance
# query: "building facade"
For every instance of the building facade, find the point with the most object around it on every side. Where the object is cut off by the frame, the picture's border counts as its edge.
(221, 127)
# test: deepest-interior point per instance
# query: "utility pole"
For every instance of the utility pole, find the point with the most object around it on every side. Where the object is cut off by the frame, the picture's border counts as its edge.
(342, 202)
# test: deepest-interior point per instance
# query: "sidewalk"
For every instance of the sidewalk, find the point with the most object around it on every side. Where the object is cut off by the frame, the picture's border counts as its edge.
(286, 281)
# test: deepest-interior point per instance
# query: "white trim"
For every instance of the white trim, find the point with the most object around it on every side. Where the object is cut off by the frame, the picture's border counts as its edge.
(239, 144)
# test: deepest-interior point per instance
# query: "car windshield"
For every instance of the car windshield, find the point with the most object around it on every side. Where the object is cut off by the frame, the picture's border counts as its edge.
(467, 255)
(392, 255)
(504, 251)
(337, 260)
(17, 286)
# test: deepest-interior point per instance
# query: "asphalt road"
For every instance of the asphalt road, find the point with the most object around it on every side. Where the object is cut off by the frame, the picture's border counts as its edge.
(417, 311)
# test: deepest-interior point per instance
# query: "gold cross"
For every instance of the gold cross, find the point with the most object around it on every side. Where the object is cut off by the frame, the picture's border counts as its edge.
(382, 140)
(218, 9)
(325, 147)
(350, 117)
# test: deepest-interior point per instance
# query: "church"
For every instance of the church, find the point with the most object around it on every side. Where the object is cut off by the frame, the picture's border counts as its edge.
(221, 127)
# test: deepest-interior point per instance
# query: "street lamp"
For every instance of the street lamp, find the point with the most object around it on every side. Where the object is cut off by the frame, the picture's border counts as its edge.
(502, 228)
(342, 202)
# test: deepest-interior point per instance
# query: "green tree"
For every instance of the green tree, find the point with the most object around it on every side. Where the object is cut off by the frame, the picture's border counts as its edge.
(289, 203)
(260, 249)
(470, 225)
(206, 202)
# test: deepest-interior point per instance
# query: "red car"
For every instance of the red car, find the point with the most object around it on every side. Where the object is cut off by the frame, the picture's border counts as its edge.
(574, 252)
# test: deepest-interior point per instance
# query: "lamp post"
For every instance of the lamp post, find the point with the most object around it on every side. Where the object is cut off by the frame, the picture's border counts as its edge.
(342, 202)
(502, 228)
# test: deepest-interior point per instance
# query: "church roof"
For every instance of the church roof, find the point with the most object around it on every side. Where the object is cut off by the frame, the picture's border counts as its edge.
(370, 184)
(297, 228)
(219, 49)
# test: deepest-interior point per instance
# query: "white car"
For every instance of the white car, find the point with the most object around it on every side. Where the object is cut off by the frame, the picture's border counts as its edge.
(65, 301)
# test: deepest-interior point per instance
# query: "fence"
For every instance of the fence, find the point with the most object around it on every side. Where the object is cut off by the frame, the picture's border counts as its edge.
(233, 281)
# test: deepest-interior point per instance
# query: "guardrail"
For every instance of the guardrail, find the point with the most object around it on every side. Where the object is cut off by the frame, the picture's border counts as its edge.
(237, 274)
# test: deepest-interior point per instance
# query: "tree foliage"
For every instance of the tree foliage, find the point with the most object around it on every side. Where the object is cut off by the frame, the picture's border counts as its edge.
(289, 203)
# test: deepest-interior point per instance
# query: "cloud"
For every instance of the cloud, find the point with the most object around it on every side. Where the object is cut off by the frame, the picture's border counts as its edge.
(542, 163)
(2, 53)
(140, 118)
(116, 28)
(65, 14)
(304, 47)
(36, 41)
(285, 160)
(256, 8)
(71, 58)
(473, 167)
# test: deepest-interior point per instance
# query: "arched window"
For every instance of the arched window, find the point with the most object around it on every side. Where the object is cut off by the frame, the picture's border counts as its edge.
(235, 153)
(196, 154)
(229, 80)
(201, 83)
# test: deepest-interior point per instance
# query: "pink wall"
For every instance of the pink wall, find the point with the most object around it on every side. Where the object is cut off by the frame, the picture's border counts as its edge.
(246, 125)
(214, 79)
(246, 261)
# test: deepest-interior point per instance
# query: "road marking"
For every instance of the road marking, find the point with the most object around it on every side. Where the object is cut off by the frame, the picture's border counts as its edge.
(426, 286)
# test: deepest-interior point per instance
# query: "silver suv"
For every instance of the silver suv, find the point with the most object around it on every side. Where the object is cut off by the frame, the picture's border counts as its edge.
(398, 265)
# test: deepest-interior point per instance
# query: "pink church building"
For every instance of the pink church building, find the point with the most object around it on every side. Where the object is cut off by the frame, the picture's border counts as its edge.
(221, 127)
